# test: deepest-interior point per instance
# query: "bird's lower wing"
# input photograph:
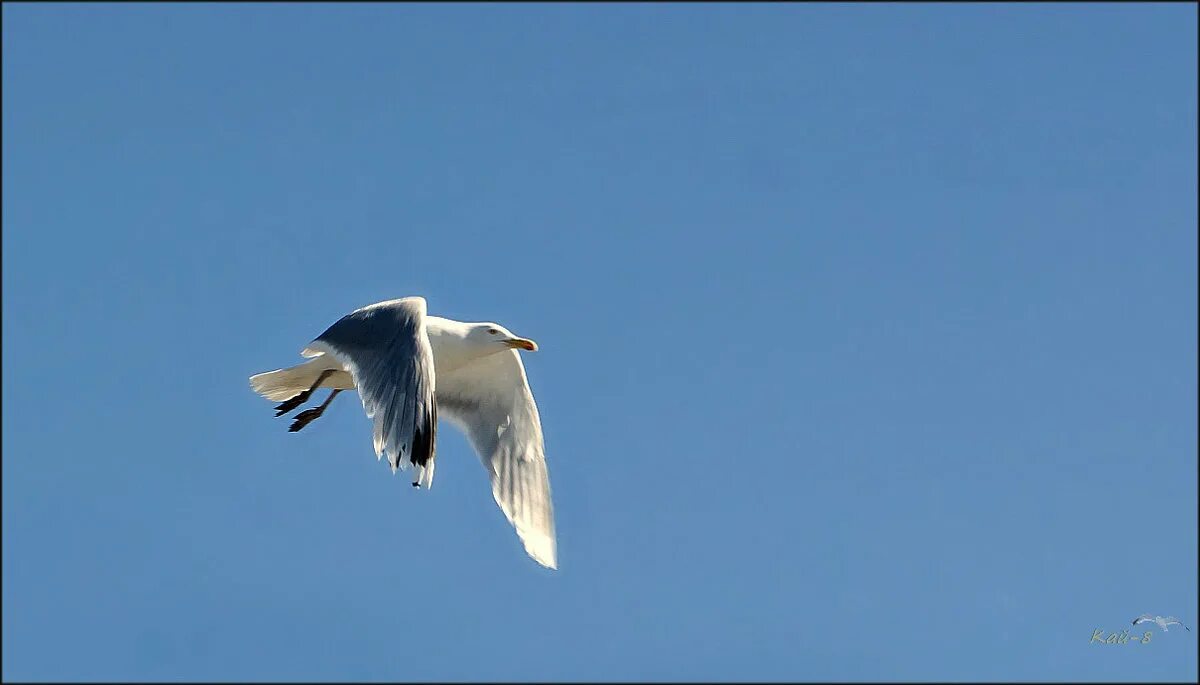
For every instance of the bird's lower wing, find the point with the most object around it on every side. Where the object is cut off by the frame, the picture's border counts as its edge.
(490, 400)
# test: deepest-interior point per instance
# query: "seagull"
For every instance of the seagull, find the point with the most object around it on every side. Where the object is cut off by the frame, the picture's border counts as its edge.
(407, 367)
(1162, 622)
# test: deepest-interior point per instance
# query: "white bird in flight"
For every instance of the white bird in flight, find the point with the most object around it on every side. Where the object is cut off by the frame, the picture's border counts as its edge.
(407, 367)
(1162, 622)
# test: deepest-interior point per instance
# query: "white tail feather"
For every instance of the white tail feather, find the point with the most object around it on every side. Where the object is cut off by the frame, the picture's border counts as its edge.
(284, 384)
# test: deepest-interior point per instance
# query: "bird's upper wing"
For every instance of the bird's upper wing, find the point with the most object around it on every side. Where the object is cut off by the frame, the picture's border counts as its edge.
(386, 349)
(1142, 619)
(489, 398)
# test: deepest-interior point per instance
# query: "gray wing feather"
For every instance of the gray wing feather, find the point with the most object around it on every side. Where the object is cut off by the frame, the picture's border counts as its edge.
(386, 349)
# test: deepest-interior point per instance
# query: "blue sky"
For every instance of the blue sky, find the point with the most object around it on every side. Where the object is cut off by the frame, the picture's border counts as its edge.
(868, 338)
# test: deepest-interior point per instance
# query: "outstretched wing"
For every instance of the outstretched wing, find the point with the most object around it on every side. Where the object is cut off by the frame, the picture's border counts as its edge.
(1171, 620)
(1142, 619)
(386, 349)
(490, 400)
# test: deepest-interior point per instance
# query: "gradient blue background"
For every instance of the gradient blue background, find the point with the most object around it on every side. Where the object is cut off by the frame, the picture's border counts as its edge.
(868, 338)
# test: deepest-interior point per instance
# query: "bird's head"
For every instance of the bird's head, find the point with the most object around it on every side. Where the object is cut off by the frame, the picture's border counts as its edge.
(500, 338)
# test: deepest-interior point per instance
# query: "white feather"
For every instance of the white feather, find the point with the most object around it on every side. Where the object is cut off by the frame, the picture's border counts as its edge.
(490, 400)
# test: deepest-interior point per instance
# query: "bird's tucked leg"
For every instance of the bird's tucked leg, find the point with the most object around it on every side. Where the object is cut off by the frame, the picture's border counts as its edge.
(300, 399)
(309, 415)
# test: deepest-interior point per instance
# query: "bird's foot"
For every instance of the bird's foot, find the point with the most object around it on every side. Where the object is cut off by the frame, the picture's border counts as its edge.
(300, 399)
(291, 404)
(306, 417)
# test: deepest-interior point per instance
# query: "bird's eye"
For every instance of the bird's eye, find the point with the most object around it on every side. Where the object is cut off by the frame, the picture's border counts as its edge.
(493, 331)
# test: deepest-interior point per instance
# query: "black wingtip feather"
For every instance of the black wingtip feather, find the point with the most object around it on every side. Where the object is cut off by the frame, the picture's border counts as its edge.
(425, 440)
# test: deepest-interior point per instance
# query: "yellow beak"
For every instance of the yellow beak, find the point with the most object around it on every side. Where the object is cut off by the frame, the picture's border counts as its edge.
(521, 343)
